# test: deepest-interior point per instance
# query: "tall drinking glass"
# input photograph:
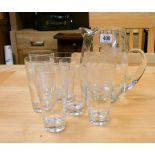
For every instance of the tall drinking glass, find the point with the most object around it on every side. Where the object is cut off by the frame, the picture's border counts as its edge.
(99, 79)
(52, 95)
(75, 101)
(31, 62)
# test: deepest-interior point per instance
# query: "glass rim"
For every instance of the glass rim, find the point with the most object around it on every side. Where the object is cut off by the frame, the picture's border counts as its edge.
(29, 60)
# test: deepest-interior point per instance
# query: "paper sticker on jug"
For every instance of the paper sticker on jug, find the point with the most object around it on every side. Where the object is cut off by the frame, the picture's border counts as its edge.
(106, 38)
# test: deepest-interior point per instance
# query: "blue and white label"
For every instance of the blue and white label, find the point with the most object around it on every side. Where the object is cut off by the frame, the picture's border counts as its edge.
(105, 38)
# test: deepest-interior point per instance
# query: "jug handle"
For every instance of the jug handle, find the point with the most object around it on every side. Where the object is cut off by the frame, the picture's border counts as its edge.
(131, 81)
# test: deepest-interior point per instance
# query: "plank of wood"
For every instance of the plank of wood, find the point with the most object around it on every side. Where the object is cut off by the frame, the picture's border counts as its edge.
(122, 19)
(151, 40)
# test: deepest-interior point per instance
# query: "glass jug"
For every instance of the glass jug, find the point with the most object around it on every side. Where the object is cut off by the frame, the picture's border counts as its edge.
(112, 44)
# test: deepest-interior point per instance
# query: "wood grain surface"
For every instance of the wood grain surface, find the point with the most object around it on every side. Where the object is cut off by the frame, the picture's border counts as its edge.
(132, 118)
(122, 19)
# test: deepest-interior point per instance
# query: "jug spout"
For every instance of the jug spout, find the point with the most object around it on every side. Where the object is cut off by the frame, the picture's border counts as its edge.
(87, 45)
(89, 32)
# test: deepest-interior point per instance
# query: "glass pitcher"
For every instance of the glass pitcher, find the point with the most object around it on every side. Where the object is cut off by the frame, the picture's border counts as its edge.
(112, 44)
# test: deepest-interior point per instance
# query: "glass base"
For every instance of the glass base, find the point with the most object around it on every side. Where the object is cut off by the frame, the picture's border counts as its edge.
(55, 129)
(36, 107)
(98, 118)
(74, 113)
(74, 109)
(38, 110)
(98, 123)
(54, 124)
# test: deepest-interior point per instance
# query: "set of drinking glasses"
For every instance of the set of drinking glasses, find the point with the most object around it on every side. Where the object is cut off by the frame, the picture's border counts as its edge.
(63, 84)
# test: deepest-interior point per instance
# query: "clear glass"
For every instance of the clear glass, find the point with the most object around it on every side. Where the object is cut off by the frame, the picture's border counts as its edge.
(30, 64)
(52, 103)
(62, 74)
(75, 101)
(112, 44)
(41, 53)
(98, 77)
(75, 106)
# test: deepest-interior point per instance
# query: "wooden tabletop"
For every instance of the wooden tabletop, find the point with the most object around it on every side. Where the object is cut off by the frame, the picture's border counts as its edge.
(132, 118)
